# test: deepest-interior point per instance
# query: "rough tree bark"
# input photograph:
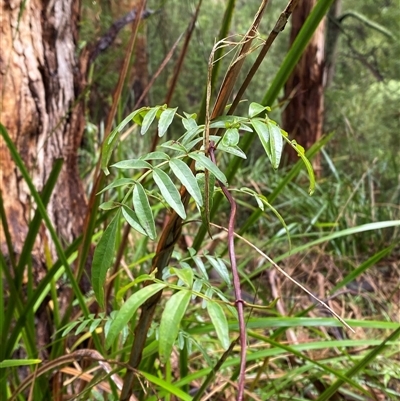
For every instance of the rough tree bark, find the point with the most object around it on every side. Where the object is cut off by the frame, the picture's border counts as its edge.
(40, 82)
(303, 115)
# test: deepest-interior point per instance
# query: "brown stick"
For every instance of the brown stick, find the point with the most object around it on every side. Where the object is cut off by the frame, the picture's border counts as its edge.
(239, 303)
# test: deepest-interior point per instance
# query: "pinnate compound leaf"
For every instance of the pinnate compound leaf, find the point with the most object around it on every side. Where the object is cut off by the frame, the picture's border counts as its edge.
(103, 257)
(165, 121)
(132, 219)
(143, 211)
(205, 162)
(170, 321)
(220, 322)
(148, 119)
(129, 308)
(186, 177)
(169, 191)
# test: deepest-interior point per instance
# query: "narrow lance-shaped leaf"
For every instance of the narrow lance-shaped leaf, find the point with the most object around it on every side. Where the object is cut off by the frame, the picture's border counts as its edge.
(233, 150)
(132, 163)
(117, 183)
(263, 131)
(276, 144)
(186, 177)
(143, 211)
(170, 321)
(207, 196)
(218, 319)
(300, 152)
(185, 274)
(109, 205)
(165, 120)
(205, 162)
(129, 308)
(112, 140)
(220, 267)
(155, 156)
(148, 119)
(132, 219)
(169, 191)
(103, 257)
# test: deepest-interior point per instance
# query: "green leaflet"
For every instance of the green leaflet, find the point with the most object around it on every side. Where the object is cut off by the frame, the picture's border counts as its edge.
(155, 156)
(109, 205)
(169, 191)
(165, 121)
(300, 152)
(129, 308)
(218, 319)
(132, 163)
(185, 275)
(208, 197)
(143, 211)
(231, 137)
(103, 257)
(132, 219)
(186, 177)
(148, 119)
(117, 183)
(256, 108)
(205, 162)
(233, 150)
(219, 265)
(271, 139)
(170, 321)
(112, 140)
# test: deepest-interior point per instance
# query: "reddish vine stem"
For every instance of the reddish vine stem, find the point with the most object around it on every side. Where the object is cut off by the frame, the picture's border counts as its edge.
(236, 280)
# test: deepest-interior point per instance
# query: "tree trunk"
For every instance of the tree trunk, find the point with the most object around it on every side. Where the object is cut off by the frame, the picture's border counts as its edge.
(40, 85)
(303, 115)
(333, 31)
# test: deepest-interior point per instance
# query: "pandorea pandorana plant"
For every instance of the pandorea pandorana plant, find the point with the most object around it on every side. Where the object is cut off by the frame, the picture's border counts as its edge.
(182, 171)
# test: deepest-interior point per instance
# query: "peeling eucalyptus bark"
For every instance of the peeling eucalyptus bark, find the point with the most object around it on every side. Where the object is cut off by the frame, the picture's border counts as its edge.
(41, 81)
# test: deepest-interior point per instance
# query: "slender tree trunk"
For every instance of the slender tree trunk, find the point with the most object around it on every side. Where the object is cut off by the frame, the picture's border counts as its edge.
(303, 115)
(333, 31)
(40, 84)
(139, 74)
